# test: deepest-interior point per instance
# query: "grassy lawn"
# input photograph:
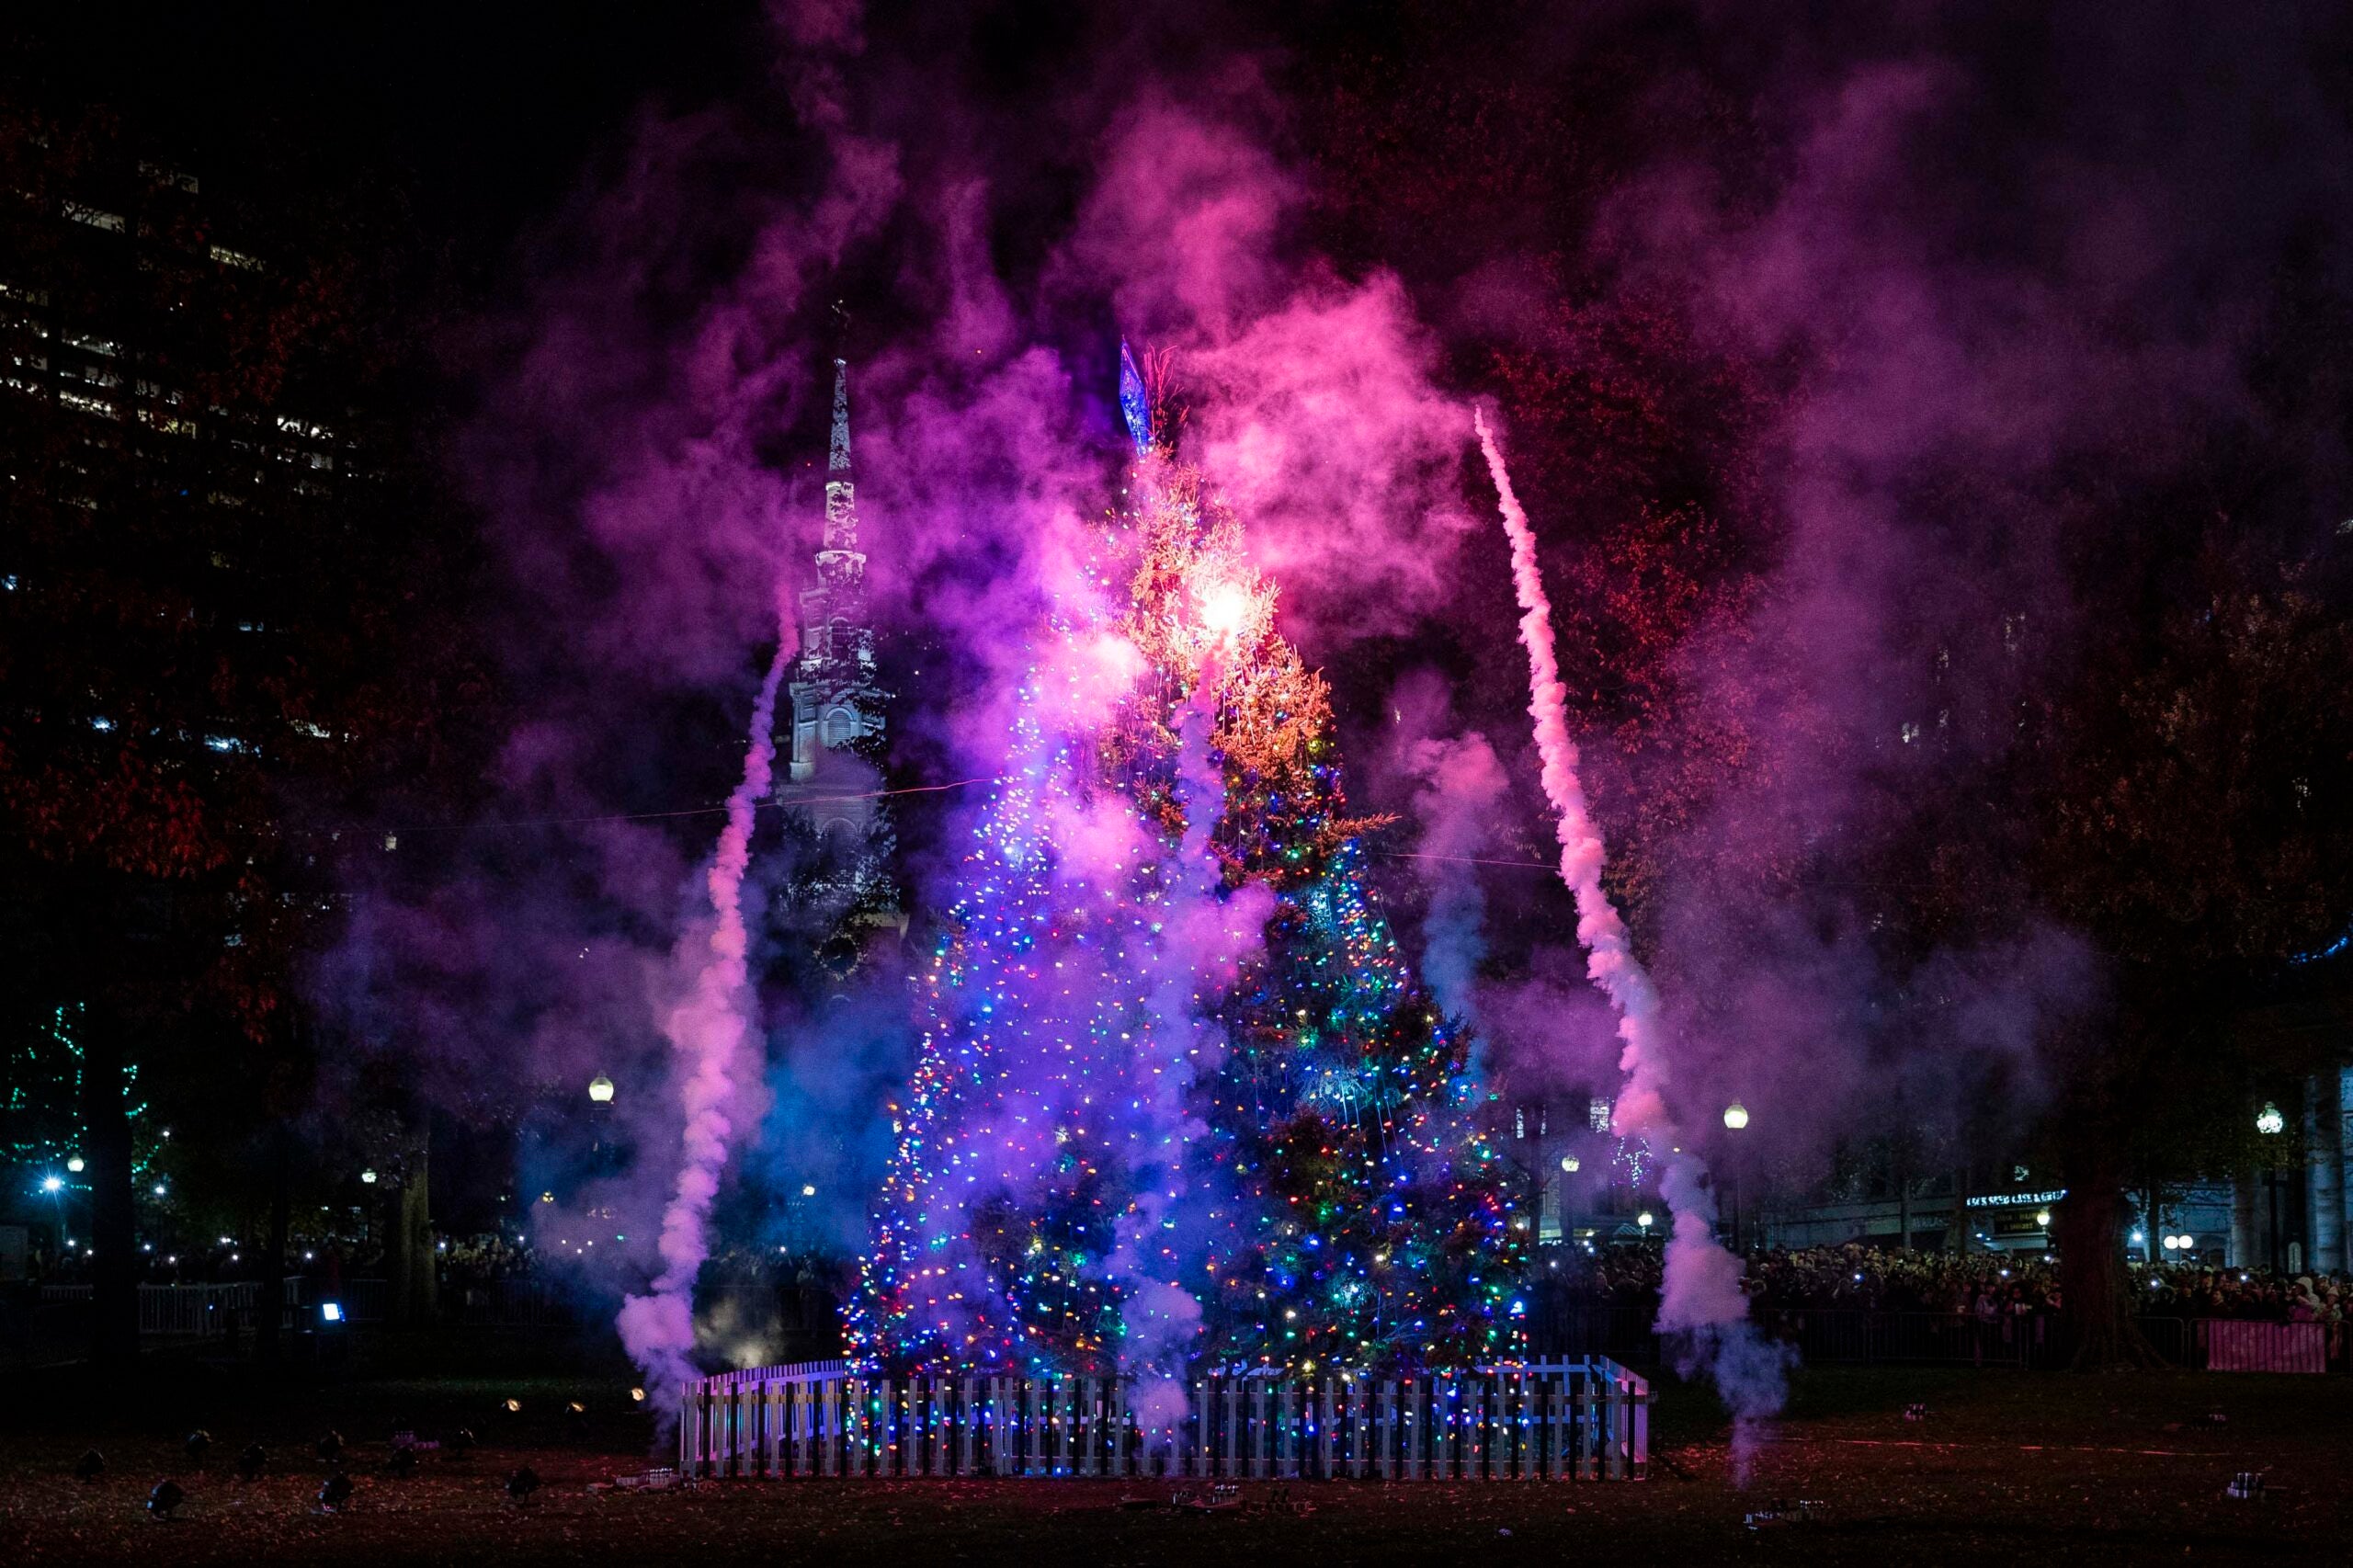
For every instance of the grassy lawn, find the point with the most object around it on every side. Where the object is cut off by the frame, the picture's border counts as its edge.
(2127, 1467)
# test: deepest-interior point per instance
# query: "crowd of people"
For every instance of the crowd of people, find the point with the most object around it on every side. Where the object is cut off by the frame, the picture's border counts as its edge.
(1977, 1284)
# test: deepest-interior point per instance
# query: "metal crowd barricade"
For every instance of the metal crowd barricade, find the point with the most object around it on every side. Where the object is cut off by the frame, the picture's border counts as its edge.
(1586, 1420)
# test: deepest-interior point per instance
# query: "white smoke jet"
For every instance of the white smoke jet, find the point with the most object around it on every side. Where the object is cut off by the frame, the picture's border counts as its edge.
(710, 1033)
(1205, 936)
(1462, 783)
(1701, 1300)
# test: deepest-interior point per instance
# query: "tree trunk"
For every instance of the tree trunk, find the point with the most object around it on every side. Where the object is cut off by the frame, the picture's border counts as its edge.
(408, 1241)
(1957, 1228)
(2096, 1288)
(114, 1222)
(272, 1313)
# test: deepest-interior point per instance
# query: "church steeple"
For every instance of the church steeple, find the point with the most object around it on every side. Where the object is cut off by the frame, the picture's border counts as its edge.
(835, 699)
(839, 707)
(841, 482)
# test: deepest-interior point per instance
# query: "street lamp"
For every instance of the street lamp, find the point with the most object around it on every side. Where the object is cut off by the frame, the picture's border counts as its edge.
(1569, 1164)
(2270, 1123)
(600, 1089)
(74, 1165)
(2042, 1218)
(1735, 1118)
(1643, 1219)
(368, 1178)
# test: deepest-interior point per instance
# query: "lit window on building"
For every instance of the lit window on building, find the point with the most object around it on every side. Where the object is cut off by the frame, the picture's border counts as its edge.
(177, 179)
(97, 218)
(1597, 1114)
(236, 258)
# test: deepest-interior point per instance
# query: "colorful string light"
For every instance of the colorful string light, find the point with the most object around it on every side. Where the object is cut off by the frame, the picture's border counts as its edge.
(1321, 1191)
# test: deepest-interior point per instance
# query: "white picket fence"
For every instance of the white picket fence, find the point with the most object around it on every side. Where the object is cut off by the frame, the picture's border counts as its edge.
(1580, 1420)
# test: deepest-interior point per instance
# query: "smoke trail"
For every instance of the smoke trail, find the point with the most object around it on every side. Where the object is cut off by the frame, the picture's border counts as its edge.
(1462, 783)
(709, 1031)
(1204, 935)
(1703, 1302)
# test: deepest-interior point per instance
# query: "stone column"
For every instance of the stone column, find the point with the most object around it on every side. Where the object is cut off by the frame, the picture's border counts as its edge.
(2342, 1146)
(2325, 1171)
(2246, 1221)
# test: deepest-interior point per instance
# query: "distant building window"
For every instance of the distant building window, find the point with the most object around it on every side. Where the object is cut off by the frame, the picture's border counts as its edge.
(236, 258)
(1597, 1114)
(97, 218)
(840, 725)
(94, 345)
(162, 175)
(96, 405)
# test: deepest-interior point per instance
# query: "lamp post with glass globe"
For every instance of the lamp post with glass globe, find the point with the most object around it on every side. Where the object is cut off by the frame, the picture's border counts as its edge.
(1735, 1120)
(2270, 1123)
(600, 1113)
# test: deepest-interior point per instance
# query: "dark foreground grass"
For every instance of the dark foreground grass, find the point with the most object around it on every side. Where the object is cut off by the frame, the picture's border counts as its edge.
(2007, 1468)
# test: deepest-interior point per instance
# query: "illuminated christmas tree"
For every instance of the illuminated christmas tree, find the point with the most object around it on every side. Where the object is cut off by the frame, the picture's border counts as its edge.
(1181, 1103)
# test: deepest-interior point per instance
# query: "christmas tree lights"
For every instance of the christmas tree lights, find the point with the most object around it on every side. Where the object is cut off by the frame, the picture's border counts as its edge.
(1181, 1103)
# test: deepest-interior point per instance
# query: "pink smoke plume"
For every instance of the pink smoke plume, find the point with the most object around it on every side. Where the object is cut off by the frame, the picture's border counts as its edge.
(1701, 1299)
(710, 1032)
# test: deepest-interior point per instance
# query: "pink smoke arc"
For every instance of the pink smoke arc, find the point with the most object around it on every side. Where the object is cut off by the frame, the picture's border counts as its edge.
(710, 1033)
(1701, 1299)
